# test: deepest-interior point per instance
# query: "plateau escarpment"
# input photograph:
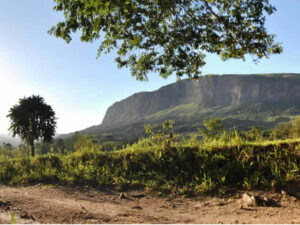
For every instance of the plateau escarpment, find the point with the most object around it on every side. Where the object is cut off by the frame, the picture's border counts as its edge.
(206, 92)
(242, 101)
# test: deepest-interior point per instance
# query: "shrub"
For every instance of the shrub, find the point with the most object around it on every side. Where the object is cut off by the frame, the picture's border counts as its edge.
(177, 170)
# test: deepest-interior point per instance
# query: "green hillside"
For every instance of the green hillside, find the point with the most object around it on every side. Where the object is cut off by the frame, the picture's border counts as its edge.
(242, 101)
(189, 118)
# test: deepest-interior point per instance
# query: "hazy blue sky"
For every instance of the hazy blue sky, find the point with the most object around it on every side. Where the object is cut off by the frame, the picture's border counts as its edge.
(81, 88)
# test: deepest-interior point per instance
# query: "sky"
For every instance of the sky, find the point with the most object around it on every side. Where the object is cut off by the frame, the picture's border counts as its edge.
(80, 87)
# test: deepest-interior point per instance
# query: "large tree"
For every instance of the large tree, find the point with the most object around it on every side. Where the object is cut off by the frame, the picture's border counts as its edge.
(32, 119)
(168, 36)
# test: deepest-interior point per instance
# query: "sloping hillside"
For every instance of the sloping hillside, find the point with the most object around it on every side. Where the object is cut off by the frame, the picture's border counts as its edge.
(4, 138)
(241, 100)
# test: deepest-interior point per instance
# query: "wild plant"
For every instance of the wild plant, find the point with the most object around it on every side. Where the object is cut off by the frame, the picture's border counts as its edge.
(164, 136)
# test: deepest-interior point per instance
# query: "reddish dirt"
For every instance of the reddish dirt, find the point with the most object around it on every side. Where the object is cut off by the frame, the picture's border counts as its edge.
(44, 204)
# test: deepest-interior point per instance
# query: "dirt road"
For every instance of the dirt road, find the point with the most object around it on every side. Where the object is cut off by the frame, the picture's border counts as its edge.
(44, 204)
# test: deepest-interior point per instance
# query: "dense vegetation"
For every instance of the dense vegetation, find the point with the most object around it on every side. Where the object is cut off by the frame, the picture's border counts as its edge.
(32, 119)
(170, 36)
(214, 160)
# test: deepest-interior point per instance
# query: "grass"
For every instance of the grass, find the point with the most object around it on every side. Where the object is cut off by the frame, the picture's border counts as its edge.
(185, 167)
(12, 216)
(167, 163)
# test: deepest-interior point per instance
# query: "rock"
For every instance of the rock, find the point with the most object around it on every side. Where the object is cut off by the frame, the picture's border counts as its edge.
(248, 200)
(266, 202)
(253, 200)
(122, 196)
(136, 207)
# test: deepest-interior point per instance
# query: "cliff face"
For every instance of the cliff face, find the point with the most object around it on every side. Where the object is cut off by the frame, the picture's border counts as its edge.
(207, 91)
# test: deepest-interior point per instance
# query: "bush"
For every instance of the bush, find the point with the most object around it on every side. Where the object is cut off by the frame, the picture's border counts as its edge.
(287, 130)
(165, 164)
(177, 170)
(212, 128)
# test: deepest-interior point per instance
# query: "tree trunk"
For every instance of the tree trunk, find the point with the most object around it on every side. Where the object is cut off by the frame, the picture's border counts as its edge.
(32, 148)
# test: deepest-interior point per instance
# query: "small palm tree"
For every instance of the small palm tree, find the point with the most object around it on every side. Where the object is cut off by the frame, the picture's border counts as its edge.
(32, 119)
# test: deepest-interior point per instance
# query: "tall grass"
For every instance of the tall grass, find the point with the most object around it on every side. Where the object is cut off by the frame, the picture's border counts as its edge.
(174, 169)
(167, 163)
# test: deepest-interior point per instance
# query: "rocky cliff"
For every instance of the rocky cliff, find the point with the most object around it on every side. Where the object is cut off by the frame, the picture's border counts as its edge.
(242, 101)
(206, 92)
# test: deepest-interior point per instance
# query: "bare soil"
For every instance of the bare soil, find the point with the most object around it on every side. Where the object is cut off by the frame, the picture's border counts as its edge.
(63, 204)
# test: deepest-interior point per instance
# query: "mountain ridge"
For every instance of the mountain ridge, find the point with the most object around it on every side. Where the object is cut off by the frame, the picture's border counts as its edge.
(6, 138)
(265, 96)
(196, 91)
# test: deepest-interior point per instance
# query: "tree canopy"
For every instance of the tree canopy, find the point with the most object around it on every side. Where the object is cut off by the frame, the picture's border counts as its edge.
(32, 119)
(169, 36)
